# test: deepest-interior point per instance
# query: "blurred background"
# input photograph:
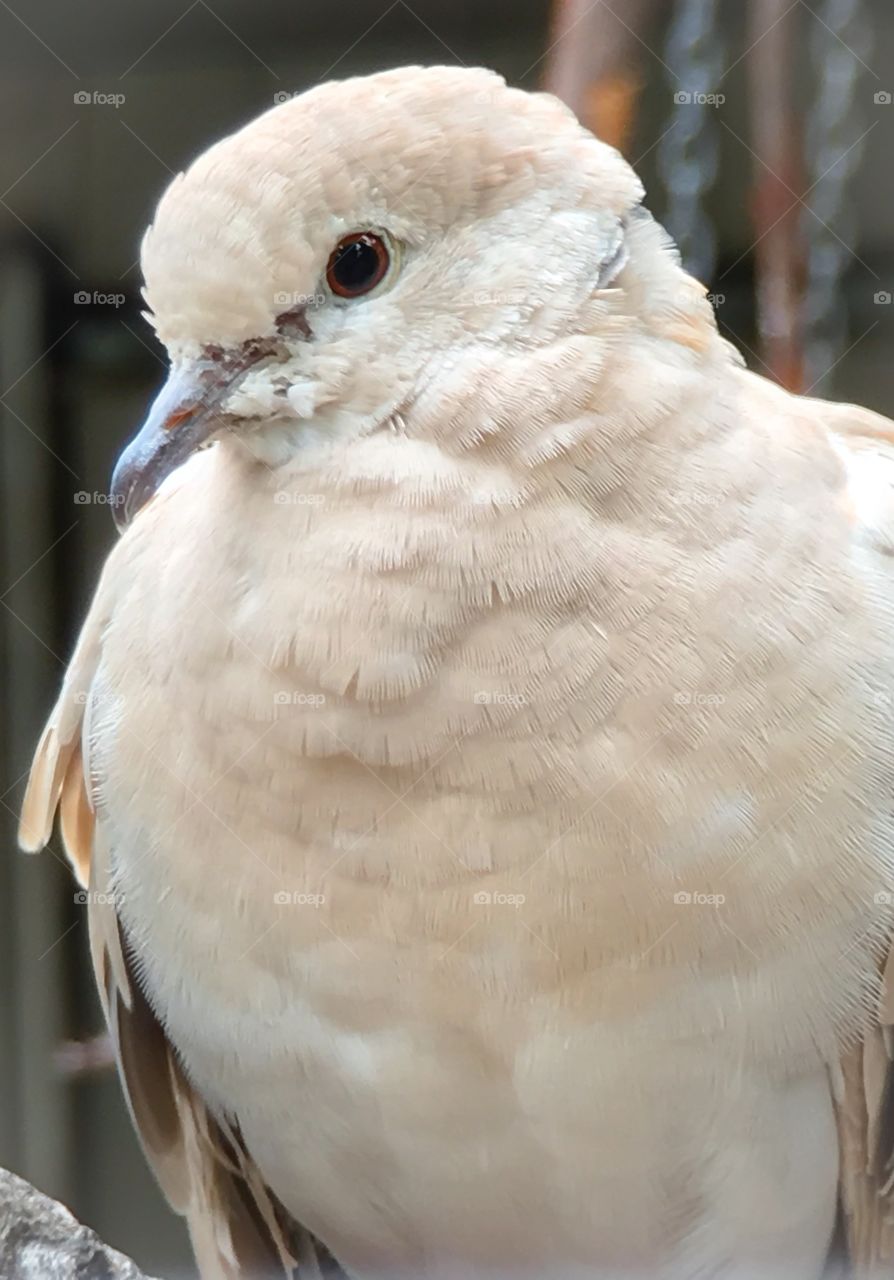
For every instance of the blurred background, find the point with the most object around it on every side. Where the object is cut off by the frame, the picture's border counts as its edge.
(763, 130)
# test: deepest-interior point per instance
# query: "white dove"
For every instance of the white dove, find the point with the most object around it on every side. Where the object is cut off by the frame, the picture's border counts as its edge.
(480, 759)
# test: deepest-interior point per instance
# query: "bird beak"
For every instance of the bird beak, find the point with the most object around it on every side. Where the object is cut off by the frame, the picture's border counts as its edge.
(184, 416)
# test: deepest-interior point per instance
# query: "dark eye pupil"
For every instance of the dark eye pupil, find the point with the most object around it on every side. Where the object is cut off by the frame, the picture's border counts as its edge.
(356, 264)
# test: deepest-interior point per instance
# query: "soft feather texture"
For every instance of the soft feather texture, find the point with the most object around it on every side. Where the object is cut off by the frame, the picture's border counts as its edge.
(507, 608)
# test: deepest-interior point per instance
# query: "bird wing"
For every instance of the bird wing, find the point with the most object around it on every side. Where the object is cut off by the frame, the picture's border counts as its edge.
(864, 1084)
(864, 1098)
(238, 1228)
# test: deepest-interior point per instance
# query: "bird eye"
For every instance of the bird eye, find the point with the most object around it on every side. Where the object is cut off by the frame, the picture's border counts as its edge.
(357, 264)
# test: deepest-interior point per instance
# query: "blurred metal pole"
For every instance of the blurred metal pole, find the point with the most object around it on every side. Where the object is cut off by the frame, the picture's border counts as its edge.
(836, 128)
(689, 149)
(776, 140)
(593, 62)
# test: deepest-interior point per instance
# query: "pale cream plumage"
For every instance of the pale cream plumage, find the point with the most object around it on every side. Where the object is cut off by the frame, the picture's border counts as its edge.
(506, 581)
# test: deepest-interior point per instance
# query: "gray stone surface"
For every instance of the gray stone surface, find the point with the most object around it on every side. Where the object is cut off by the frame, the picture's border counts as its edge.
(41, 1240)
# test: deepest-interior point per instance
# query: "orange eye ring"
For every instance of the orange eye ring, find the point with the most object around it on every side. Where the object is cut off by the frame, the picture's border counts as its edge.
(357, 264)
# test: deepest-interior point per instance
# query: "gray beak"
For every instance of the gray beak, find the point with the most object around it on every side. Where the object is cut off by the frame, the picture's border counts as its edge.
(184, 416)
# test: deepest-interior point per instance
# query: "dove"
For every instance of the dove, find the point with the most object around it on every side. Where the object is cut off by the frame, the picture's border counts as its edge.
(477, 756)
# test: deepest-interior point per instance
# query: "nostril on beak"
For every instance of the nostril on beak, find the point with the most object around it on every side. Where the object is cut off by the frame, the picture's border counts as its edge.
(179, 415)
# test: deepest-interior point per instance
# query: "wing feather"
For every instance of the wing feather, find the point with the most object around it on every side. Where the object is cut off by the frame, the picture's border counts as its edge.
(866, 1136)
(864, 1092)
(237, 1227)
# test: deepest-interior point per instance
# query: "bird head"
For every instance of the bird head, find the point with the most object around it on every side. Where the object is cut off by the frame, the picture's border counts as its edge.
(320, 273)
